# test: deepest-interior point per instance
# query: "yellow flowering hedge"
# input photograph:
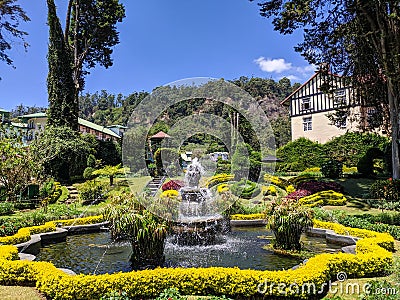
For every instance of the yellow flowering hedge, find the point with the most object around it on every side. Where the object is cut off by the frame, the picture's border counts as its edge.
(222, 188)
(80, 221)
(248, 217)
(324, 198)
(24, 234)
(220, 178)
(169, 194)
(372, 257)
(275, 180)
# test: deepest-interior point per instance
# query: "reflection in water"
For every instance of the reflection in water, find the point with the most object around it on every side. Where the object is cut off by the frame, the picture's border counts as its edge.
(96, 254)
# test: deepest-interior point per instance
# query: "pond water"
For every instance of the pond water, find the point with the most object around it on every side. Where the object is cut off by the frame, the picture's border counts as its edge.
(97, 254)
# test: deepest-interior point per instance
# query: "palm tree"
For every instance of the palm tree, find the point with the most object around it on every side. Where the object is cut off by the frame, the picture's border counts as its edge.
(145, 231)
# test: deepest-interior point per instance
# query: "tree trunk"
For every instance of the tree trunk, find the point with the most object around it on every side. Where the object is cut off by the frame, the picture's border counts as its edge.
(394, 120)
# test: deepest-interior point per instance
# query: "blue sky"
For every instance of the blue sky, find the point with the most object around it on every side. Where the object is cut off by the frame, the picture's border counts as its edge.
(162, 41)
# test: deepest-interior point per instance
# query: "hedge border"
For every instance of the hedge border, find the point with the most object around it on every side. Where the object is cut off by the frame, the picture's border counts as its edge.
(372, 258)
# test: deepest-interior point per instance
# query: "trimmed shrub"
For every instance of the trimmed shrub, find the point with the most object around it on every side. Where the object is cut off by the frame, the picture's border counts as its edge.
(275, 180)
(217, 179)
(323, 198)
(300, 155)
(248, 217)
(372, 258)
(332, 169)
(245, 189)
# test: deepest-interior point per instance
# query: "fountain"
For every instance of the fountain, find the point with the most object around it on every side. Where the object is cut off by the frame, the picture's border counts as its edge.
(196, 224)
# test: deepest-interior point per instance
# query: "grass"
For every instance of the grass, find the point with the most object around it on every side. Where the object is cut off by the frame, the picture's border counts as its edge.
(19, 293)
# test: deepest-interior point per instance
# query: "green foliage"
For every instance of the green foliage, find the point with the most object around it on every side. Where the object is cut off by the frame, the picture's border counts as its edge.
(145, 231)
(6, 208)
(170, 294)
(91, 161)
(351, 146)
(300, 155)
(92, 192)
(240, 208)
(365, 165)
(240, 162)
(388, 191)
(109, 152)
(360, 222)
(288, 220)
(61, 152)
(17, 167)
(88, 173)
(115, 296)
(245, 189)
(93, 37)
(63, 108)
(167, 160)
(11, 15)
(332, 169)
(110, 171)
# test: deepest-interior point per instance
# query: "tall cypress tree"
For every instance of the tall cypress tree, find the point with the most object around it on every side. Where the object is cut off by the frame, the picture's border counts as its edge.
(63, 108)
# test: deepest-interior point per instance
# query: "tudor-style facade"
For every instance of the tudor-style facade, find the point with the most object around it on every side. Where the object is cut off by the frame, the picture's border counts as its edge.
(309, 108)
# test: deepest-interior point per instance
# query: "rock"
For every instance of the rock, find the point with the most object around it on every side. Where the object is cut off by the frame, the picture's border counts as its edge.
(349, 249)
(67, 271)
(26, 256)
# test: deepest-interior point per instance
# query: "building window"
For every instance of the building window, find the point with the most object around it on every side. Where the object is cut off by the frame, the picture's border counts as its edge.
(307, 123)
(306, 104)
(339, 98)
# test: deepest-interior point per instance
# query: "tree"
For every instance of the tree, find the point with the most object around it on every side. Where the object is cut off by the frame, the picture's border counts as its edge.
(63, 109)
(110, 171)
(17, 167)
(359, 39)
(11, 15)
(62, 153)
(90, 32)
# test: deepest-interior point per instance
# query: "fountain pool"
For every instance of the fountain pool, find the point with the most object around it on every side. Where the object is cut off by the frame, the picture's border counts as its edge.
(96, 253)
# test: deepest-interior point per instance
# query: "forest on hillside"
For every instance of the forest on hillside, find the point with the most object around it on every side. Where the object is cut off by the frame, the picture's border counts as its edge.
(105, 108)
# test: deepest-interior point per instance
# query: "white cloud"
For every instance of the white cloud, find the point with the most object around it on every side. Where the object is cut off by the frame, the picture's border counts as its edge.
(273, 65)
(292, 78)
(285, 69)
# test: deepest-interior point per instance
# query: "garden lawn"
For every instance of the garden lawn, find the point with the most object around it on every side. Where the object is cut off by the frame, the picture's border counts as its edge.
(19, 293)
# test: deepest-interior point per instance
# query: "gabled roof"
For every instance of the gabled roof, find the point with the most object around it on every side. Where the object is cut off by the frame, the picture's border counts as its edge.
(33, 116)
(117, 126)
(80, 122)
(304, 84)
(97, 127)
(160, 135)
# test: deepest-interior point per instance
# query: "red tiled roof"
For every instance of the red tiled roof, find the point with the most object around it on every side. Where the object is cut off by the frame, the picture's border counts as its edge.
(160, 135)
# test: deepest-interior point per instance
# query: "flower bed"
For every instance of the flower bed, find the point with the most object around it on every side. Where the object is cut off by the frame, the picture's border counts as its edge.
(323, 198)
(372, 258)
(248, 217)
(220, 178)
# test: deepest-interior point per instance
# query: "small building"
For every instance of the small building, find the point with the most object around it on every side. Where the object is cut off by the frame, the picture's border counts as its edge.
(4, 115)
(118, 129)
(216, 155)
(36, 123)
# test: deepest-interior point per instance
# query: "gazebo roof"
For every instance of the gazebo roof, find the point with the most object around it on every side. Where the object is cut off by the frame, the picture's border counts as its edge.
(160, 135)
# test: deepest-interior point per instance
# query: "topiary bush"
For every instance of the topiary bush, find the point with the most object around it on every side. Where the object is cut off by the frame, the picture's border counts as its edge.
(300, 155)
(332, 169)
(245, 189)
